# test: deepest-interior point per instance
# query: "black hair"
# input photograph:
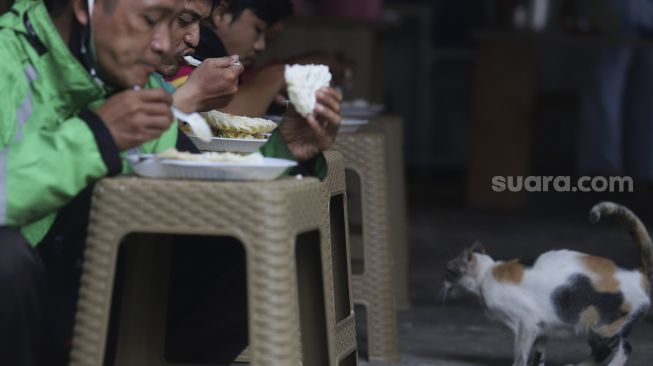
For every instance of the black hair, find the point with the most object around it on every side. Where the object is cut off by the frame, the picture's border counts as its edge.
(270, 11)
(56, 7)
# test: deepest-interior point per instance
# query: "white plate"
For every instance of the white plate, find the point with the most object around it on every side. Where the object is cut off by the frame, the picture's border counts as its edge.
(270, 169)
(219, 144)
(349, 109)
(351, 125)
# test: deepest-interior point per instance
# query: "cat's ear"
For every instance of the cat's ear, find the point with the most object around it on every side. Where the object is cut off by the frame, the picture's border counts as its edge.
(477, 247)
(469, 255)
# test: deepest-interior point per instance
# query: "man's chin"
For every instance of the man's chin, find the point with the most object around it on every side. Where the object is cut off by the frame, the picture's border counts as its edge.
(168, 70)
(248, 62)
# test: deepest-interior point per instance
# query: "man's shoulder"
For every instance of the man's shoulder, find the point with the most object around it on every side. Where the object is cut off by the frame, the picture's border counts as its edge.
(11, 44)
(12, 59)
(13, 38)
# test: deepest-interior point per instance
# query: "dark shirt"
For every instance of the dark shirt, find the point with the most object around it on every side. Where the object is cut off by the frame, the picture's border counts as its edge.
(210, 45)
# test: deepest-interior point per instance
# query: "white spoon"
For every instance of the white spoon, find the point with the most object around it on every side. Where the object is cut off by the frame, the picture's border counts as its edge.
(192, 61)
(196, 122)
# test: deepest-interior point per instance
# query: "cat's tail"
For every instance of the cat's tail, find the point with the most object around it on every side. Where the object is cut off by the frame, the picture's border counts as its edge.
(635, 226)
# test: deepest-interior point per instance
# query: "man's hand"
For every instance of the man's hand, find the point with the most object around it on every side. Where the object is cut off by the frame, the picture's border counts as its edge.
(307, 137)
(135, 117)
(211, 86)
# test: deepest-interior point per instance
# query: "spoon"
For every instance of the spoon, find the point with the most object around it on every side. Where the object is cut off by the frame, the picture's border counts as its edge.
(196, 122)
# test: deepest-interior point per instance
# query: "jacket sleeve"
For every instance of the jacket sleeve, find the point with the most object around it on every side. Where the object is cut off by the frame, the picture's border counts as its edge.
(45, 162)
(276, 147)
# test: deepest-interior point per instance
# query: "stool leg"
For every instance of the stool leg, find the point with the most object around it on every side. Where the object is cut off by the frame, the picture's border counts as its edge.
(272, 299)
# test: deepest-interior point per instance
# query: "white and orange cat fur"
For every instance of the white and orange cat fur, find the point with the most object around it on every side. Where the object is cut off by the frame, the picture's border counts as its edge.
(563, 292)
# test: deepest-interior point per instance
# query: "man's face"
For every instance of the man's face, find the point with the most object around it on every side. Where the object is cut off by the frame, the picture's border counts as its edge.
(185, 34)
(131, 37)
(244, 37)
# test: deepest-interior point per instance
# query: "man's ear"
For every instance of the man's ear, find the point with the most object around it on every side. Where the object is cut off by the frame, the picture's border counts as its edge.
(222, 8)
(80, 9)
(219, 13)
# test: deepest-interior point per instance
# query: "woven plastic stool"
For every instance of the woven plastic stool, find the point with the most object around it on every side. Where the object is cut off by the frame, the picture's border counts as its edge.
(338, 287)
(365, 154)
(392, 128)
(281, 224)
(341, 306)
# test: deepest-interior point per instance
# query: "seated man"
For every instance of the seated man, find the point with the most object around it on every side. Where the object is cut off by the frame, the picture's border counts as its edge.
(213, 84)
(244, 28)
(241, 28)
(69, 115)
(64, 125)
(215, 81)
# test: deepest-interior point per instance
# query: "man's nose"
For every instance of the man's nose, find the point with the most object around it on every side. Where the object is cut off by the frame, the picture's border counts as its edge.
(162, 42)
(192, 39)
(260, 44)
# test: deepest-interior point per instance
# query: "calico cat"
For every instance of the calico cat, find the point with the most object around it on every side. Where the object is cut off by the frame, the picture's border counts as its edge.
(562, 292)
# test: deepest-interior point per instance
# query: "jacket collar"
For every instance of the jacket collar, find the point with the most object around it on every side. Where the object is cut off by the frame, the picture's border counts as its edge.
(69, 79)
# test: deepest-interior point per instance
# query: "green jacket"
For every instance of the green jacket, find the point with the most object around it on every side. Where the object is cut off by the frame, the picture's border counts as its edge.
(51, 145)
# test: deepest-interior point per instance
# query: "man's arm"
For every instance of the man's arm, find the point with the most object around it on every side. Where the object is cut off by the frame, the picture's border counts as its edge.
(305, 138)
(255, 96)
(48, 166)
(276, 147)
(210, 86)
(45, 162)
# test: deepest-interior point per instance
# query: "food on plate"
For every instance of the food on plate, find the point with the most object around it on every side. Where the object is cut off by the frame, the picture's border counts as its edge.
(238, 127)
(303, 82)
(212, 157)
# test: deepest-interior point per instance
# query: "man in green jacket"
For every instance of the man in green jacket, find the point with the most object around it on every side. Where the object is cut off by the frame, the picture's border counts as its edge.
(63, 125)
(69, 111)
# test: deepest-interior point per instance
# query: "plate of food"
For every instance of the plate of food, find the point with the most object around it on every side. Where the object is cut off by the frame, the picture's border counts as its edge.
(361, 108)
(172, 164)
(235, 133)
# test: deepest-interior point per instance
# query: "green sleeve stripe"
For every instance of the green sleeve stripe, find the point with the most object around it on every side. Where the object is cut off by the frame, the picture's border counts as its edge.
(23, 113)
(3, 186)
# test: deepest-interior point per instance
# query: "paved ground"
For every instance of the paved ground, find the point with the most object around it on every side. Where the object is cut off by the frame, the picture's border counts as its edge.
(458, 334)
